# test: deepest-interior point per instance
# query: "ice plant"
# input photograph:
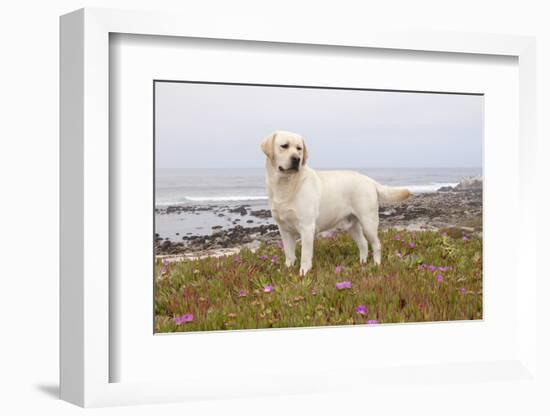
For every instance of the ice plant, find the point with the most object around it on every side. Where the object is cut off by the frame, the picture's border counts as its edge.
(398, 237)
(338, 269)
(343, 285)
(439, 278)
(183, 319)
(432, 268)
(372, 322)
(280, 244)
(412, 245)
(242, 293)
(264, 257)
(268, 289)
(462, 290)
(398, 254)
(237, 258)
(362, 310)
(274, 259)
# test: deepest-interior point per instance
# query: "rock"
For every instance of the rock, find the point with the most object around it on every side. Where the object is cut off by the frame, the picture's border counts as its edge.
(249, 221)
(261, 213)
(216, 227)
(239, 210)
(445, 189)
(467, 184)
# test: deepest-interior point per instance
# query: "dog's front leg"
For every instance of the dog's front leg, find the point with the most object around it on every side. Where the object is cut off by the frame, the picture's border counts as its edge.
(307, 235)
(289, 246)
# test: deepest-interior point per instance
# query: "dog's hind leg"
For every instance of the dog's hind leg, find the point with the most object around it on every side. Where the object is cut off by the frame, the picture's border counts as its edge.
(370, 228)
(356, 232)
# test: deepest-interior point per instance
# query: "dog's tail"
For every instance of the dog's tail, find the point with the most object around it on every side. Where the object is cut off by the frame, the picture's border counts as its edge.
(391, 194)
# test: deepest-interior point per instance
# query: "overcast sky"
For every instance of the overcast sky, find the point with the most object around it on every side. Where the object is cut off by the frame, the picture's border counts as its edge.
(221, 126)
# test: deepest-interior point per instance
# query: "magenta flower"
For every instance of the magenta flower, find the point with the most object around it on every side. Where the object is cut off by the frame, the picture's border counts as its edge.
(432, 268)
(422, 267)
(338, 269)
(280, 244)
(372, 322)
(462, 290)
(465, 237)
(439, 278)
(398, 254)
(183, 319)
(343, 285)
(237, 258)
(268, 289)
(166, 262)
(412, 245)
(274, 259)
(264, 257)
(442, 269)
(398, 237)
(163, 270)
(242, 293)
(362, 310)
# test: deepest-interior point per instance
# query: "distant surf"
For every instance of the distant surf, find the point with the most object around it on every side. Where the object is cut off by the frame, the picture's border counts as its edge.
(415, 189)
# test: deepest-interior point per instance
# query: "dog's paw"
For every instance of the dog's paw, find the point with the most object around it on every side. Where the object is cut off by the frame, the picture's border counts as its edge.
(304, 270)
(290, 262)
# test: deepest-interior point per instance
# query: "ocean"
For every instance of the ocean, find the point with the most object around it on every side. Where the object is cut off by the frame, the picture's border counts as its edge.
(204, 186)
(230, 187)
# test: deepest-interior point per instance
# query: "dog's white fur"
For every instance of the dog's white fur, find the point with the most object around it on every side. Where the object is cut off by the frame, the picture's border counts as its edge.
(305, 202)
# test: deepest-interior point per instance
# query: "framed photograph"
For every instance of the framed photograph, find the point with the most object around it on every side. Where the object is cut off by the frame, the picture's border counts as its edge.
(260, 214)
(227, 222)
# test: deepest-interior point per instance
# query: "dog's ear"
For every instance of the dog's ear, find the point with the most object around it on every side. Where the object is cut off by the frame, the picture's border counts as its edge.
(267, 145)
(304, 157)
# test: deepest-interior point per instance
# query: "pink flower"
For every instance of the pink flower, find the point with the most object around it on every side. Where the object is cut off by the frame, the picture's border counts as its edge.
(439, 278)
(166, 262)
(398, 254)
(326, 234)
(280, 244)
(268, 289)
(422, 267)
(362, 310)
(398, 237)
(372, 322)
(465, 237)
(242, 293)
(462, 290)
(274, 259)
(237, 258)
(432, 268)
(338, 269)
(343, 285)
(264, 257)
(163, 270)
(183, 319)
(412, 245)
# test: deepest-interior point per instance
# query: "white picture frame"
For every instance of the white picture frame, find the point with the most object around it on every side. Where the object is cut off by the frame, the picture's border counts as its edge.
(85, 355)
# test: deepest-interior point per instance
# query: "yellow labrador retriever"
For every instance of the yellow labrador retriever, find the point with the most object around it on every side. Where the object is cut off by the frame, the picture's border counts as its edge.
(305, 202)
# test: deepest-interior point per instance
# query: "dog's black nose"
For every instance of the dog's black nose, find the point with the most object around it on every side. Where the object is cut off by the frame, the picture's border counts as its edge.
(295, 160)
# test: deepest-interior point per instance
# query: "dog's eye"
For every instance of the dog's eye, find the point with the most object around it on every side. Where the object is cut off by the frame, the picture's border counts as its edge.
(284, 146)
(298, 148)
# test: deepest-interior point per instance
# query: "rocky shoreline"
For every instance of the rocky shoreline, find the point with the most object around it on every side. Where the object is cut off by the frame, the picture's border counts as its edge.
(456, 210)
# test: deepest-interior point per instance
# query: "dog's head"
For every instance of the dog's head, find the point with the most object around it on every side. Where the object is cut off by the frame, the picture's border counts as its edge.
(286, 151)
